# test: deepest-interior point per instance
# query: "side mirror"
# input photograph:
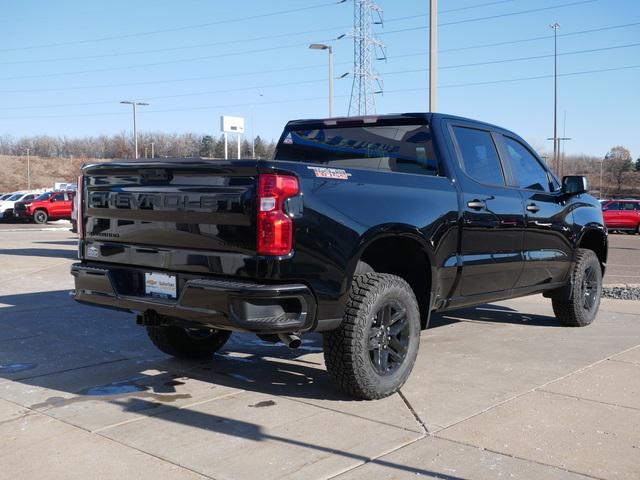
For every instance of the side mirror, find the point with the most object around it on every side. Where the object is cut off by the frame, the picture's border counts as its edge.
(575, 185)
(52, 199)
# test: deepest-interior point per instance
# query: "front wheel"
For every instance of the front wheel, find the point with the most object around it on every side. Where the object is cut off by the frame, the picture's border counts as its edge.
(581, 307)
(189, 343)
(41, 217)
(373, 351)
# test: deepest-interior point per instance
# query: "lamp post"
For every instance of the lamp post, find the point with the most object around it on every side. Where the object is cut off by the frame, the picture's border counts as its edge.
(28, 170)
(555, 27)
(135, 130)
(329, 48)
(601, 168)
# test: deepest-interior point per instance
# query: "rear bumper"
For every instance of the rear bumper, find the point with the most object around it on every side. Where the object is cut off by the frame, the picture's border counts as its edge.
(202, 302)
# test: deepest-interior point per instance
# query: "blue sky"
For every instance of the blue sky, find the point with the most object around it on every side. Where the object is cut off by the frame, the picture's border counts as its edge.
(65, 65)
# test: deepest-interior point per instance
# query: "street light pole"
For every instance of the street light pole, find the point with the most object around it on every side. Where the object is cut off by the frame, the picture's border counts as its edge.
(555, 27)
(329, 48)
(601, 165)
(433, 55)
(135, 128)
(28, 170)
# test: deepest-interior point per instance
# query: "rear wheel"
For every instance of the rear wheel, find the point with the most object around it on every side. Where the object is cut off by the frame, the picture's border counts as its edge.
(187, 342)
(581, 307)
(373, 351)
(40, 216)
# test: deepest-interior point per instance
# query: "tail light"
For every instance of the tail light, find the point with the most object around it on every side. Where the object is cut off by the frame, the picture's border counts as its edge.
(80, 204)
(275, 227)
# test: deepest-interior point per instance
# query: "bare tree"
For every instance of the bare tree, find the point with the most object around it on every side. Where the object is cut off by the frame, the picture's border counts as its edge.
(618, 163)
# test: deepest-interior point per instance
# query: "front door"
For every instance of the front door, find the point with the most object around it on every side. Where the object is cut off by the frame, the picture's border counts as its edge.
(547, 242)
(492, 217)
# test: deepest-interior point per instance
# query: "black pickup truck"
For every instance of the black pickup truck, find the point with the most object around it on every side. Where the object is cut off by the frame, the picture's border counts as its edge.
(359, 229)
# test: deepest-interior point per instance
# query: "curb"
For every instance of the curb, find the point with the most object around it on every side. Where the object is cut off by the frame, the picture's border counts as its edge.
(621, 291)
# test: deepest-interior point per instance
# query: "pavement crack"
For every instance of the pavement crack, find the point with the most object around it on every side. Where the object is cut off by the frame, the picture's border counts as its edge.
(517, 457)
(413, 412)
(617, 405)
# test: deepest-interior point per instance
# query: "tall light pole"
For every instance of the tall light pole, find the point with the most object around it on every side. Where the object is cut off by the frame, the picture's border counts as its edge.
(329, 48)
(135, 129)
(433, 55)
(555, 27)
(28, 170)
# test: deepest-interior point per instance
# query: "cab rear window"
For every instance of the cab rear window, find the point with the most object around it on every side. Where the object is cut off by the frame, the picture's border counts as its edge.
(397, 148)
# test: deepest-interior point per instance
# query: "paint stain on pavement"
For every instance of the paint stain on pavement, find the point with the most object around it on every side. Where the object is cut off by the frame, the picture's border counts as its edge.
(265, 403)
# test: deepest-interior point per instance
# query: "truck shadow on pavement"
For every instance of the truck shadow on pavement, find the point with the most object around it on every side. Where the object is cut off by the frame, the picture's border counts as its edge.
(146, 383)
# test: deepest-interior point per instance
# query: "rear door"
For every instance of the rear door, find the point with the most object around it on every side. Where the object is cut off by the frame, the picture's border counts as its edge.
(628, 215)
(547, 243)
(611, 213)
(492, 218)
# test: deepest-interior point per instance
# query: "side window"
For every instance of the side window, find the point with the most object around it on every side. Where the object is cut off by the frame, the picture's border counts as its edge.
(526, 168)
(628, 206)
(479, 155)
(58, 197)
(613, 206)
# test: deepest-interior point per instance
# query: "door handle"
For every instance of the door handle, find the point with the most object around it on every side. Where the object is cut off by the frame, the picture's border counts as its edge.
(533, 208)
(476, 204)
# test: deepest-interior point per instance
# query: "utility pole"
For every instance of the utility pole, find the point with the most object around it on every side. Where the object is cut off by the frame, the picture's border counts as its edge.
(135, 130)
(433, 55)
(559, 165)
(329, 48)
(555, 27)
(28, 170)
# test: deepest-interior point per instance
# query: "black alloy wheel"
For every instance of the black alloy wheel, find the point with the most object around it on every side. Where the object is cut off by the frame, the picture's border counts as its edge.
(389, 338)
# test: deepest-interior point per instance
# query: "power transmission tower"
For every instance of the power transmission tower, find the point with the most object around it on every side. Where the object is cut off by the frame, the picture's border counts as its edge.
(366, 49)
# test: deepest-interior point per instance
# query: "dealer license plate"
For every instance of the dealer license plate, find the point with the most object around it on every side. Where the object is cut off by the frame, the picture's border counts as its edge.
(160, 285)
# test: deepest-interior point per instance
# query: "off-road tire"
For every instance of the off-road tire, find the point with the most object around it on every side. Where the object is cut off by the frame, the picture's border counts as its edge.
(362, 268)
(41, 217)
(178, 342)
(346, 349)
(573, 311)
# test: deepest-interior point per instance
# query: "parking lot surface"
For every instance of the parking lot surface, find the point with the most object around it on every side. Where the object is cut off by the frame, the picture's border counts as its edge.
(499, 391)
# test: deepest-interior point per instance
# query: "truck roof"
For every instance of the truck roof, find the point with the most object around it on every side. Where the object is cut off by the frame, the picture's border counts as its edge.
(392, 118)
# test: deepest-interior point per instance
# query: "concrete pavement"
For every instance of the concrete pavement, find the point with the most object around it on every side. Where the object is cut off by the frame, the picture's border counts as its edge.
(498, 391)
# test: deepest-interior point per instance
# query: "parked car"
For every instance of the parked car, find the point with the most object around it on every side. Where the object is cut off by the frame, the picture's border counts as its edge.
(7, 206)
(622, 215)
(360, 229)
(48, 206)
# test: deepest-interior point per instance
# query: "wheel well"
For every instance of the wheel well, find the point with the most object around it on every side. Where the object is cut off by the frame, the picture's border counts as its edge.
(596, 241)
(407, 259)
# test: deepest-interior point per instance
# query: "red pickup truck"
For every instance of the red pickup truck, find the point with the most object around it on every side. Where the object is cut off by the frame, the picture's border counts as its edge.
(48, 206)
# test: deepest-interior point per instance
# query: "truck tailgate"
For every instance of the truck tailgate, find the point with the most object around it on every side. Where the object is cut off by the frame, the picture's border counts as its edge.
(190, 216)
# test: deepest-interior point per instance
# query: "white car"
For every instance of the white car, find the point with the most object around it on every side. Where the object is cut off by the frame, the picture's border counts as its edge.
(6, 206)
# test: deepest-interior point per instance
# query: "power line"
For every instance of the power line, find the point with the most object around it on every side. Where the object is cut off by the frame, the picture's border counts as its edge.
(262, 50)
(306, 67)
(276, 85)
(490, 17)
(226, 42)
(176, 29)
(274, 102)
(544, 37)
(154, 64)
